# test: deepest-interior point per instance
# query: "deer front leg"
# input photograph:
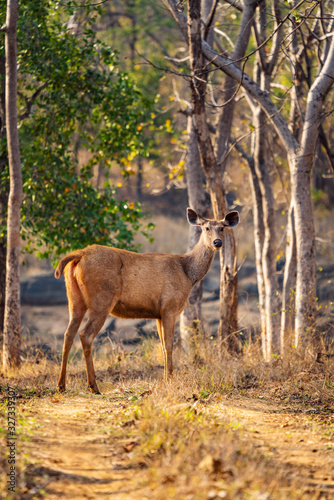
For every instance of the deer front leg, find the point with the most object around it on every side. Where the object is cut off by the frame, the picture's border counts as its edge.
(167, 335)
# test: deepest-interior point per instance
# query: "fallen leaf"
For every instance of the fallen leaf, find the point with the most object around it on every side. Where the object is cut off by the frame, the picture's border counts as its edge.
(129, 446)
(146, 393)
(128, 423)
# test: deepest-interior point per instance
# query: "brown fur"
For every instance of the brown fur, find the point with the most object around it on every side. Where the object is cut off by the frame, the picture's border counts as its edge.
(102, 280)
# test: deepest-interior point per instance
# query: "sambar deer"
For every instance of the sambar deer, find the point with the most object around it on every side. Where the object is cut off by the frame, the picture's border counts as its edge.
(102, 280)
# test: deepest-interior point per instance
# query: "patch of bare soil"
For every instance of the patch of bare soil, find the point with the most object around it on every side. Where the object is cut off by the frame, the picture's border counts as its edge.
(72, 455)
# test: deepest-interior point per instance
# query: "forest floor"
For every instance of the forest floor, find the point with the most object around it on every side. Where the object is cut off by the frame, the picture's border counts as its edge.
(143, 438)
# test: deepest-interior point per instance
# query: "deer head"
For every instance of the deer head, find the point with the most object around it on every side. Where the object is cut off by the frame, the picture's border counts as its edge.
(212, 230)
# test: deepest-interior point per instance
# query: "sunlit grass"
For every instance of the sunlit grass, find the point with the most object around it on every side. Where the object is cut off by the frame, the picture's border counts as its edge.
(170, 431)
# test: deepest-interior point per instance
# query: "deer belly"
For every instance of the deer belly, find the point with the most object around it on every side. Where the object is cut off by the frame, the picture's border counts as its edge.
(134, 311)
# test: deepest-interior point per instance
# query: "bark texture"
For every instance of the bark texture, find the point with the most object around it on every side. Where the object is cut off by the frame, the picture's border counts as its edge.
(12, 320)
(301, 166)
(258, 244)
(289, 281)
(3, 196)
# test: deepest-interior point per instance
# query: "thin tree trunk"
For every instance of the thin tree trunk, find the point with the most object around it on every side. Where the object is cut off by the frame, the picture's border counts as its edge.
(264, 68)
(305, 240)
(191, 317)
(228, 319)
(2, 284)
(269, 250)
(258, 243)
(3, 196)
(228, 300)
(290, 268)
(228, 308)
(12, 321)
(289, 282)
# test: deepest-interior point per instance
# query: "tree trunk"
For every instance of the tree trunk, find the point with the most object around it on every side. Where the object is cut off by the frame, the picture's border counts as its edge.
(289, 282)
(300, 161)
(228, 308)
(290, 269)
(3, 196)
(228, 319)
(258, 243)
(305, 241)
(199, 200)
(12, 321)
(269, 250)
(2, 284)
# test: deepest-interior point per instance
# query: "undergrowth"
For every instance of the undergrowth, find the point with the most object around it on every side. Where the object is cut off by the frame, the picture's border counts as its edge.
(170, 429)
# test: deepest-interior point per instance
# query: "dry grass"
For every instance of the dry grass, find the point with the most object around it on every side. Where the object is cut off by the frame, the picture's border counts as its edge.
(172, 437)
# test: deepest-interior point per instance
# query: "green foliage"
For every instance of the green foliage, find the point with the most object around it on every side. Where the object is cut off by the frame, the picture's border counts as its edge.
(70, 213)
(72, 95)
(319, 196)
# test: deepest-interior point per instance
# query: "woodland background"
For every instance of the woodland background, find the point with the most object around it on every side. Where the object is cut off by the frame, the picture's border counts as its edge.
(109, 111)
(127, 113)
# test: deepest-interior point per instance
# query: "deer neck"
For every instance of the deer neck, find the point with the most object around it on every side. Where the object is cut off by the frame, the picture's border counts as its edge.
(198, 261)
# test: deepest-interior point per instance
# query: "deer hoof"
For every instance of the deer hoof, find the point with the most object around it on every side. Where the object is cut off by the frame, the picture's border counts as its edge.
(61, 388)
(94, 390)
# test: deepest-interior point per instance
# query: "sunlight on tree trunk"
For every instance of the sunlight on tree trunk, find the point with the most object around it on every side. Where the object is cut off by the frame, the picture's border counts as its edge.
(257, 207)
(289, 282)
(3, 194)
(12, 320)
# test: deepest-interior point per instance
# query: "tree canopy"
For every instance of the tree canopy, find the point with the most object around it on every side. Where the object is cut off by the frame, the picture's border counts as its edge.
(72, 94)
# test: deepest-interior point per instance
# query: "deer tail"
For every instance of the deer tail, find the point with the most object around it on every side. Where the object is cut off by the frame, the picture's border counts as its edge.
(75, 256)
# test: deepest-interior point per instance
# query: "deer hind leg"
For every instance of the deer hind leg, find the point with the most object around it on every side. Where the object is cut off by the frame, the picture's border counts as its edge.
(96, 318)
(77, 310)
(162, 340)
(167, 326)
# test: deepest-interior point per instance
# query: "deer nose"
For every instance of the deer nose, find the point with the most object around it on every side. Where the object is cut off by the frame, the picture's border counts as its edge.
(218, 243)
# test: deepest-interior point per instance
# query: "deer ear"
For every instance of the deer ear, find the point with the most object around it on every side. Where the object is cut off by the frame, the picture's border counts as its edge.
(193, 218)
(231, 219)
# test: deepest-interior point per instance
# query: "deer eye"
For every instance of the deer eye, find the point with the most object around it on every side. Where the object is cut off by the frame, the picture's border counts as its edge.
(207, 228)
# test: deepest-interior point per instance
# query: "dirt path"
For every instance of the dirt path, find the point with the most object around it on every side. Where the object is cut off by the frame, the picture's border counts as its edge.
(297, 440)
(72, 454)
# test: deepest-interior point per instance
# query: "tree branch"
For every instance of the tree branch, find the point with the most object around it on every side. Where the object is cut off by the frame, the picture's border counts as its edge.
(235, 4)
(30, 101)
(315, 99)
(208, 21)
(236, 144)
(276, 40)
(230, 68)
